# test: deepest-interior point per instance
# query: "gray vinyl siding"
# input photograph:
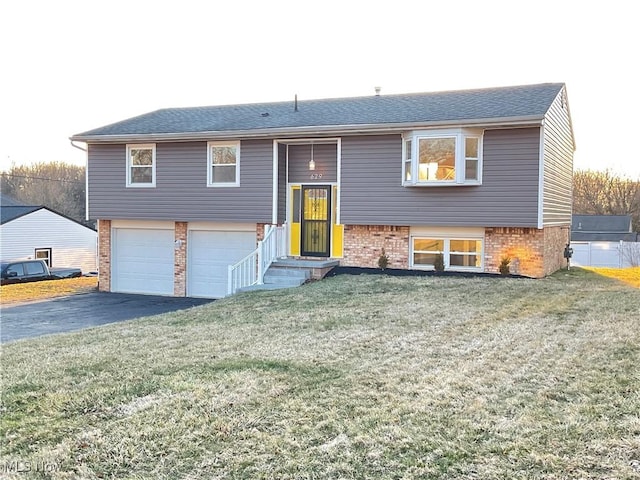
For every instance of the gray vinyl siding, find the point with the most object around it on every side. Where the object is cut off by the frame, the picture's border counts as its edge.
(325, 158)
(558, 164)
(181, 191)
(282, 183)
(372, 191)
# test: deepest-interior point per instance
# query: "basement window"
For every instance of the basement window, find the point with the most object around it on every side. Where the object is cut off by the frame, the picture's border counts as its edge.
(458, 253)
(442, 157)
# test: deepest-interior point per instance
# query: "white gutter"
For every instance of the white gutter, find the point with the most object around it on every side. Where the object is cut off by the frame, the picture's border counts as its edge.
(314, 130)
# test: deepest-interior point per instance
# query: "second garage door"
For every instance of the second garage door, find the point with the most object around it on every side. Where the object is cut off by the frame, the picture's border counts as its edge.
(209, 255)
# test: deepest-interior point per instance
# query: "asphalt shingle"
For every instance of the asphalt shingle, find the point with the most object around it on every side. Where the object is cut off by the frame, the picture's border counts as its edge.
(451, 106)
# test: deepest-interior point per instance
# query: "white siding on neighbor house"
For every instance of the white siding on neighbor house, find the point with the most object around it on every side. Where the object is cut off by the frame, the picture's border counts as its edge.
(71, 244)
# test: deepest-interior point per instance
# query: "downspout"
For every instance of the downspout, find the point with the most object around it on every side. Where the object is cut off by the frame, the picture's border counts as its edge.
(86, 180)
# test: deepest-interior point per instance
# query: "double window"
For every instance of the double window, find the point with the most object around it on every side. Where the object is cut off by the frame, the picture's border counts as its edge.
(141, 165)
(223, 161)
(442, 157)
(457, 253)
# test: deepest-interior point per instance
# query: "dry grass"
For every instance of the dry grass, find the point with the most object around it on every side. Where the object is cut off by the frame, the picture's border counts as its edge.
(27, 292)
(630, 276)
(351, 377)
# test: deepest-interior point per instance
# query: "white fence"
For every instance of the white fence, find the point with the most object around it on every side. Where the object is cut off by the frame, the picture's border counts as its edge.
(606, 254)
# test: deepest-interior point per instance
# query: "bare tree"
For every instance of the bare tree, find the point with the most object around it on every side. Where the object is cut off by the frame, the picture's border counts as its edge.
(604, 193)
(56, 185)
(630, 252)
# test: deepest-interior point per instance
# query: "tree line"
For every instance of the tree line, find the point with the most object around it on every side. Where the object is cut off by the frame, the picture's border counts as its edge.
(605, 193)
(61, 187)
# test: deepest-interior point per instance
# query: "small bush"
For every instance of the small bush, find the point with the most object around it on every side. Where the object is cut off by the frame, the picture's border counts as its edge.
(383, 260)
(438, 263)
(504, 266)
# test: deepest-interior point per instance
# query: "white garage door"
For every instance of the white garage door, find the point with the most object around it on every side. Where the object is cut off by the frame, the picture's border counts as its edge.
(142, 261)
(209, 256)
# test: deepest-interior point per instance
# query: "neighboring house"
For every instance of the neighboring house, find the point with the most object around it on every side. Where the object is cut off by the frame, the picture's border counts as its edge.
(476, 175)
(29, 232)
(604, 241)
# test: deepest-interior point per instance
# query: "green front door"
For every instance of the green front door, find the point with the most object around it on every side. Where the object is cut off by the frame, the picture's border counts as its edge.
(316, 221)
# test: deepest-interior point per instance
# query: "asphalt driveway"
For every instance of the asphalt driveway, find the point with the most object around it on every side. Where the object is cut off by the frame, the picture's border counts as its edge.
(76, 312)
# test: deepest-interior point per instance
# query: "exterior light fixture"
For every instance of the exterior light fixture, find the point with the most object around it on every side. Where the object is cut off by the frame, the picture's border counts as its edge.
(312, 163)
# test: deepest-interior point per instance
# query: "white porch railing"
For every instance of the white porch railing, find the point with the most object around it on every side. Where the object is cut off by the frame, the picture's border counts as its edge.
(251, 269)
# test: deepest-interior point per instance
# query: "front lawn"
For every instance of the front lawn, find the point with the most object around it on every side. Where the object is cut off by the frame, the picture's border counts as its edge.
(630, 275)
(350, 377)
(32, 291)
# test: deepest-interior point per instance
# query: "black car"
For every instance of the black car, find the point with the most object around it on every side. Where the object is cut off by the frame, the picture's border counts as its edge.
(20, 271)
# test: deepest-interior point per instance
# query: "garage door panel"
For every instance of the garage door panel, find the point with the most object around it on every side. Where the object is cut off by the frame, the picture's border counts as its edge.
(143, 261)
(210, 254)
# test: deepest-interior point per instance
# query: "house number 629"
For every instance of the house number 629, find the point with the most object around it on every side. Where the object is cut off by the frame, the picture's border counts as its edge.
(316, 176)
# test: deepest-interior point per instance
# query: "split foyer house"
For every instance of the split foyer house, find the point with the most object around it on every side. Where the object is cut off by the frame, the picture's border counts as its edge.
(180, 194)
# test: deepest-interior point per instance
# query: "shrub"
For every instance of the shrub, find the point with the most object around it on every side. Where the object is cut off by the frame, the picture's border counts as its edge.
(438, 263)
(383, 260)
(504, 266)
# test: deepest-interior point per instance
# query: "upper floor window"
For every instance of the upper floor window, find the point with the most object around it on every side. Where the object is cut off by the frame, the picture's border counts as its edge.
(442, 157)
(223, 164)
(141, 165)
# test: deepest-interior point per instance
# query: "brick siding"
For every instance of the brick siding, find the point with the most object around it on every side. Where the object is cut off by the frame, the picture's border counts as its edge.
(555, 240)
(180, 260)
(363, 245)
(533, 252)
(104, 255)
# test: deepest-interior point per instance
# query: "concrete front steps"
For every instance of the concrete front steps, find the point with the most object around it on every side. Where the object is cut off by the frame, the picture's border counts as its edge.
(293, 272)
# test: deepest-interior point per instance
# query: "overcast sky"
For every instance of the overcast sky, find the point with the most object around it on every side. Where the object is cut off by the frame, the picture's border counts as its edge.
(70, 66)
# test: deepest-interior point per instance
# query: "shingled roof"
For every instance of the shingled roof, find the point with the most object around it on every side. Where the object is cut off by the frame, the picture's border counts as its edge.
(9, 213)
(593, 228)
(491, 105)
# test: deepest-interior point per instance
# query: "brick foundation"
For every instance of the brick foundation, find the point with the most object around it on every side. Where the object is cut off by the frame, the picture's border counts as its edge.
(104, 255)
(555, 240)
(180, 260)
(260, 231)
(533, 252)
(363, 245)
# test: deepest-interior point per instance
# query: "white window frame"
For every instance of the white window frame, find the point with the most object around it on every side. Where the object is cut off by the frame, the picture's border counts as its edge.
(47, 259)
(210, 182)
(446, 253)
(460, 135)
(141, 146)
